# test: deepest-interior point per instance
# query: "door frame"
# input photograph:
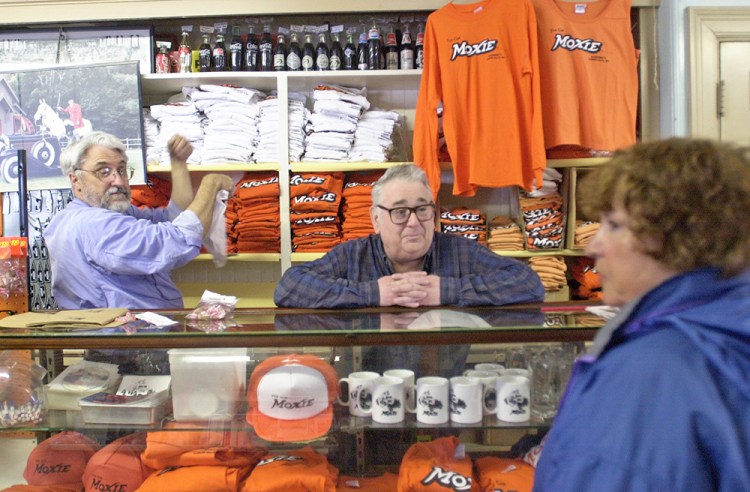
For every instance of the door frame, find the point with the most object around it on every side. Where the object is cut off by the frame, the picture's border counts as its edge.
(710, 26)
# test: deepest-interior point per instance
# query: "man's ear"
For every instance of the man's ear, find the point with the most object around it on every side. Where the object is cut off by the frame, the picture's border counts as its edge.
(375, 219)
(75, 183)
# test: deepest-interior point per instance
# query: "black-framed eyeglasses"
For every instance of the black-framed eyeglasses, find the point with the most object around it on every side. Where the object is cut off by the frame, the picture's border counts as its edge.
(400, 215)
(107, 172)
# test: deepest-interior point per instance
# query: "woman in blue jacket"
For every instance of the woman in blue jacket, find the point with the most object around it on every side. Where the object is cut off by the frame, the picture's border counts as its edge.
(662, 400)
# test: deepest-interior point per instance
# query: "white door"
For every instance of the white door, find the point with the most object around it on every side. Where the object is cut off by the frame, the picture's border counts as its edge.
(734, 109)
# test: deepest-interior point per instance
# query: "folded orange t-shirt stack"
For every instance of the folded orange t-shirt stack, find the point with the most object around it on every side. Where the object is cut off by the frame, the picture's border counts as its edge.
(356, 204)
(505, 234)
(426, 465)
(258, 226)
(543, 219)
(155, 193)
(314, 204)
(585, 231)
(551, 271)
(467, 222)
(301, 469)
(232, 217)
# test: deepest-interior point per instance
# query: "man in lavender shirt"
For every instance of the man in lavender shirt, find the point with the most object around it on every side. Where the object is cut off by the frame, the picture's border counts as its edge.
(105, 252)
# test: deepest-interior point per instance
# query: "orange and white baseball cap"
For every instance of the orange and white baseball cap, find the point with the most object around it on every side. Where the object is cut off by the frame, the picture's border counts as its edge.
(60, 460)
(117, 466)
(290, 398)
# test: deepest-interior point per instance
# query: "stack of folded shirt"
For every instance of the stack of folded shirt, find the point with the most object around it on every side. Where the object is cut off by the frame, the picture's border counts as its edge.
(584, 232)
(505, 234)
(232, 217)
(374, 137)
(268, 128)
(551, 179)
(297, 120)
(258, 228)
(178, 118)
(300, 469)
(314, 210)
(199, 460)
(155, 193)
(543, 221)
(330, 131)
(551, 271)
(466, 222)
(151, 138)
(231, 132)
(356, 204)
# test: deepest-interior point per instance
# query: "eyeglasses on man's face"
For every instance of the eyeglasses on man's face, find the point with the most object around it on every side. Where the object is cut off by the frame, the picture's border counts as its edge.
(106, 173)
(400, 215)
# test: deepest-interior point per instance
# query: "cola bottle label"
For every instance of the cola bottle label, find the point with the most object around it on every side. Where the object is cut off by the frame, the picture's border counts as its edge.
(322, 61)
(334, 63)
(407, 59)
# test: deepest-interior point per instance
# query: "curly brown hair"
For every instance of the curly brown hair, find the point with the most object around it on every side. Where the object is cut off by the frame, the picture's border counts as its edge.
(683, 197)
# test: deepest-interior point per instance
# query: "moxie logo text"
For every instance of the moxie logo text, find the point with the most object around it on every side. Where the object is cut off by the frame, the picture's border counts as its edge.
(292, 405)
(108, 487)
(50, 469)
(447, 479)
(480, 48)
(570, 43)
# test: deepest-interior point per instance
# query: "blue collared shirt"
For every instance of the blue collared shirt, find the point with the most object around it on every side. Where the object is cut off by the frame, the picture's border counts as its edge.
(103, 258)
(470, 275)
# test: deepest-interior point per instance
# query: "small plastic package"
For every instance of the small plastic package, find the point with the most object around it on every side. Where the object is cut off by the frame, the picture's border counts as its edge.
(12, 267)
(21, 389)
(213, 306)
(79, 380)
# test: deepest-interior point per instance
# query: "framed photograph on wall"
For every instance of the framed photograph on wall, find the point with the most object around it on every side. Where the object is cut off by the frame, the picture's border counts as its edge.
(44, 110)
(20, 50)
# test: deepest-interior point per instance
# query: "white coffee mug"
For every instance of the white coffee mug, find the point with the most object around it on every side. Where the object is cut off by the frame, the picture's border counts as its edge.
(408, 376)
(388, 400)
(489, 366)
(466, 400)
(489, 394)
(358, 392)
(432, 400)
(513, 398)
(515, 371)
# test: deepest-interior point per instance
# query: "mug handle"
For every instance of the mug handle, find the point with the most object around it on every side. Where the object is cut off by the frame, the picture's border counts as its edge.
(340, 400)
(410, 395)
(489, 392)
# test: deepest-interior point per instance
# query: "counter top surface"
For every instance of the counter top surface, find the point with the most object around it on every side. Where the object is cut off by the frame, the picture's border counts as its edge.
(278, 327)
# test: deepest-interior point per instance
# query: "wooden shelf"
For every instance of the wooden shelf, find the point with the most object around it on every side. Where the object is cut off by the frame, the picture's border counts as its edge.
(216, 168)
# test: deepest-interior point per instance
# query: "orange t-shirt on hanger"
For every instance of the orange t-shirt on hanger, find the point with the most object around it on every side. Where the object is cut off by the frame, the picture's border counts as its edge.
(481, 63)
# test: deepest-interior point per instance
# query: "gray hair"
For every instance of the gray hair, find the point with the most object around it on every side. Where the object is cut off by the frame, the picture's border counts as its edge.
(405, 172)
(73, 156)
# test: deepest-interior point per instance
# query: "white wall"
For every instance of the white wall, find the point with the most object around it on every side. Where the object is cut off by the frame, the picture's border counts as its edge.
(673, 52)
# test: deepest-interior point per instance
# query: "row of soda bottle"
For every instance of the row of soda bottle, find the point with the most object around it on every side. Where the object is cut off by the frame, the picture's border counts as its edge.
(397, 51)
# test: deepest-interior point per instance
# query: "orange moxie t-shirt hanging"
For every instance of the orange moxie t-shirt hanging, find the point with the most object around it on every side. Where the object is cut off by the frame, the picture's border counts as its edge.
(481, 63)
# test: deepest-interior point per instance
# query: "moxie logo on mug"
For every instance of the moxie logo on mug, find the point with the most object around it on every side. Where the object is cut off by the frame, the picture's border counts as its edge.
(388, 404)
(517, 402)
(429, 405)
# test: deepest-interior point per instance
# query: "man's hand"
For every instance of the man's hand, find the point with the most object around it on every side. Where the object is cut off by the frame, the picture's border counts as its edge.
(409, 289)
(179, 148)
(218, 182)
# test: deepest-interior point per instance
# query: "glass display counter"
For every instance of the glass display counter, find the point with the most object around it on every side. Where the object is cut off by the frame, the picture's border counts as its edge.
(216, 376)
